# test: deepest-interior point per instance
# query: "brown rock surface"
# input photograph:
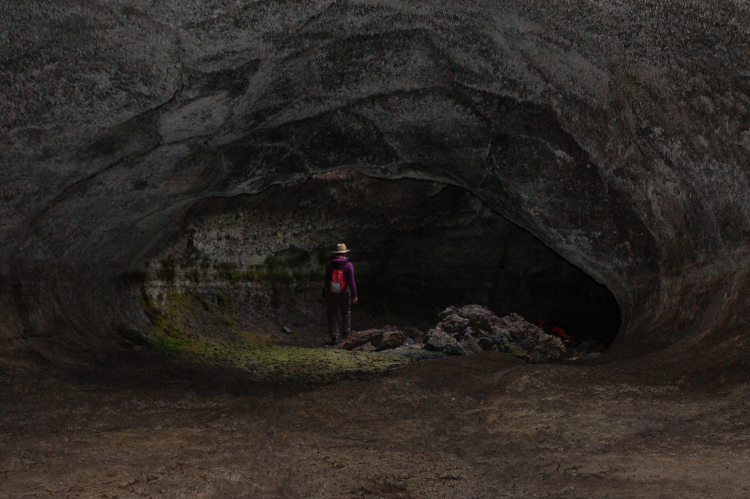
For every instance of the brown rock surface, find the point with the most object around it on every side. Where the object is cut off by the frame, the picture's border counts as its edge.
(483, 425)
(546, 346)
(389, 340)
(359, 338)
(382, 339)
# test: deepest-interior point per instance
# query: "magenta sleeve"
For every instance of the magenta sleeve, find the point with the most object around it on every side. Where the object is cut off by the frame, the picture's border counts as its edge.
(352, 285)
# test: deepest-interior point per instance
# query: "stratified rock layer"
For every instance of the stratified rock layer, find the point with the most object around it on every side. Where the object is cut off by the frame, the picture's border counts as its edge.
(617, 133)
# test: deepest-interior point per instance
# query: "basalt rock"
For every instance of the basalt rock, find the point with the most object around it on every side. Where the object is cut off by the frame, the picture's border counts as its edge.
(615, 132)
(540, 346)
(475, 329)
(438, 340)
(389, 340)
(386, 338)
(359, 338)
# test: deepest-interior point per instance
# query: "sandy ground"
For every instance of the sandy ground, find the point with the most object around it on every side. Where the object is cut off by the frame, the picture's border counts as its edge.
(480, 426)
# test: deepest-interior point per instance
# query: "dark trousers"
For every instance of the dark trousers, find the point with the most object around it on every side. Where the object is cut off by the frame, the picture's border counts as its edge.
(339, 314)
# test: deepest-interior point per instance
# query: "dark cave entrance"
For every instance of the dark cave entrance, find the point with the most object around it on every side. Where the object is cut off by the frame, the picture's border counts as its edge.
(417, 246)
(447, 248)
(417, 273)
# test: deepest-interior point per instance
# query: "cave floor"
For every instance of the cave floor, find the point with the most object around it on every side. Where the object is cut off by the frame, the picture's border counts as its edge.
(477, 426)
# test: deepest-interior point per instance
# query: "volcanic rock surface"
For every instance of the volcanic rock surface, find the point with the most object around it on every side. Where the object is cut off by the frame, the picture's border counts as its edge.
(474, 329)
(617, 133)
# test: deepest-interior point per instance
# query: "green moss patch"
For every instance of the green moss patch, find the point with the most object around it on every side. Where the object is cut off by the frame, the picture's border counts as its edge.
(190, 326)
(275, 364)
(259, 354)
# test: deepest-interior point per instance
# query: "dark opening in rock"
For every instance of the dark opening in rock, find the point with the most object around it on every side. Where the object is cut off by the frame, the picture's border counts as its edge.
(417, 246)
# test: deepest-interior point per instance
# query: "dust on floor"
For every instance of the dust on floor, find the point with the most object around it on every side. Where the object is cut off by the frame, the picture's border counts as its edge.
(485, 425)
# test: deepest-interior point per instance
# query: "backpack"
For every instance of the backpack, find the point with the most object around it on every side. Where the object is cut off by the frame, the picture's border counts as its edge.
(337, 281)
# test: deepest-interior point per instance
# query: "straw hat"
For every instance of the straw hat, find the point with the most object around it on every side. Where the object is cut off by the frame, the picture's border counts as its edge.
(341, 249)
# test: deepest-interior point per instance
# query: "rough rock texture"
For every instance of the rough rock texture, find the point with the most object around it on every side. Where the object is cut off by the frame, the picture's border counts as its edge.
(389, 340)
(386, 338)
(474, 329)
(618, 133)
(440, 341)
(359, 338)
(540, 345)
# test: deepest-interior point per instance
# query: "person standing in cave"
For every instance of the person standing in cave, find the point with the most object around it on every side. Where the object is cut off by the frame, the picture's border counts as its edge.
(340, 292)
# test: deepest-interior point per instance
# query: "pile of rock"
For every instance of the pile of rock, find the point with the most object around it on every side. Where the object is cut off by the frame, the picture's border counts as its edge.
(473, 329)
(466, 330)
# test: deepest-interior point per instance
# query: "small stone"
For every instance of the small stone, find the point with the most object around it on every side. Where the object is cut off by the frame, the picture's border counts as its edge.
(357, 338)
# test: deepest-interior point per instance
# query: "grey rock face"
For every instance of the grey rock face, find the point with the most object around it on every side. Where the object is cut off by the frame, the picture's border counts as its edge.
(619, 141)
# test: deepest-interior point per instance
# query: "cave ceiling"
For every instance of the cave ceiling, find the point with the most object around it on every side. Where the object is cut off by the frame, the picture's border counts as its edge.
(618, 133)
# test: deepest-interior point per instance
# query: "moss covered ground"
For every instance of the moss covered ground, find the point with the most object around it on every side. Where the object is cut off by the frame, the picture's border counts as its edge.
(275, 364)
(174, 332)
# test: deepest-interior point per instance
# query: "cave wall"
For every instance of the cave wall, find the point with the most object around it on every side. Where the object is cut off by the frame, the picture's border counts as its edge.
(418, 247)
(617, 133)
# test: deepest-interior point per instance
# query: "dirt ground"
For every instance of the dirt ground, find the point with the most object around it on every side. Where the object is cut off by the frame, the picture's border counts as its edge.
(479, 426)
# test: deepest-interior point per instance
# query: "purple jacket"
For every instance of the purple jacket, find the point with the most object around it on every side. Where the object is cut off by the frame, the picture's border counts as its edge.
(340, 263)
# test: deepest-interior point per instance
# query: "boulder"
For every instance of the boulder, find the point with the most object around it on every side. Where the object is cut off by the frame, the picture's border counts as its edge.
(367, 347)
(359, 338)
(440, 341)
(389, 340)
(541, 346)
(381, 339)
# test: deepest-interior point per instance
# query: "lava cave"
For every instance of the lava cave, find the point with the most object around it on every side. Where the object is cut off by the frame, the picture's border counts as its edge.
(174, 174)
(419, 247)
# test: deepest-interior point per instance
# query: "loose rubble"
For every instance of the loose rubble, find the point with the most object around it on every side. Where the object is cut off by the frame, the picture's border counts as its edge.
(473, 329)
